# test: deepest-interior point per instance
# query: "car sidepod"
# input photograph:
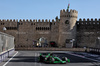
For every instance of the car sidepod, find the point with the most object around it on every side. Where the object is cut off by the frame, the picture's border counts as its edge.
(58, 60)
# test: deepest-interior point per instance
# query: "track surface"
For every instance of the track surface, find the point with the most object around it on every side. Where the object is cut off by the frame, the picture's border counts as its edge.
(30, 58)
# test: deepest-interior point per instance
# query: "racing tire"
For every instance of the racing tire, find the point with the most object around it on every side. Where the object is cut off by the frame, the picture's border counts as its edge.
(41, 58)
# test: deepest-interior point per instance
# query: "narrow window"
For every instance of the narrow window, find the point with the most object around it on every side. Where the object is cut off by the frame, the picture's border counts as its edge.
(3, 23)
(48, 28)
(36, 28)
(54, 23)
(40, 28)
(44, 28)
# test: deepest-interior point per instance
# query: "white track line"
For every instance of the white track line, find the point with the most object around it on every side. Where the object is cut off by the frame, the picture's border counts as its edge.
(10, 59)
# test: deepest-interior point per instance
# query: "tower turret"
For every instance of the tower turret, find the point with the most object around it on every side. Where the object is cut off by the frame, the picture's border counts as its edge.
(67, 26)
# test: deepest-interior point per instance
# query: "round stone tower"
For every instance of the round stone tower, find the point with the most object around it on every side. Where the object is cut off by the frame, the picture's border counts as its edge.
(67, 27)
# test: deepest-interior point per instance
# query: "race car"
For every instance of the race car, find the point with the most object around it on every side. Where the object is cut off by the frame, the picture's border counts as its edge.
(52, 58)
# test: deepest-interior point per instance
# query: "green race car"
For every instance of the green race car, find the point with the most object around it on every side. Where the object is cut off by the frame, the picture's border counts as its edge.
(52, 58)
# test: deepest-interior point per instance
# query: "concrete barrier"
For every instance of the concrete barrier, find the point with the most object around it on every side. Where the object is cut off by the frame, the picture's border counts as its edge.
(6, 42)
(6, 54)
(51, 49)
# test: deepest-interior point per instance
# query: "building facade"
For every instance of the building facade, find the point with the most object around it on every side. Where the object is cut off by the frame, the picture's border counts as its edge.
(66, 31)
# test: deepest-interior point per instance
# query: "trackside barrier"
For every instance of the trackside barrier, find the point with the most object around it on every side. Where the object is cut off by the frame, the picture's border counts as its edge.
(50, 49)
(94, 50)
(6, 54)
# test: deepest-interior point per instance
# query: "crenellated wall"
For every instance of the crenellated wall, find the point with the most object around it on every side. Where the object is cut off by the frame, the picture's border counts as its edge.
(88, 31)
(21, 23)
(25, 31)
(85, 32)
(8, 23)
(88, 24)
(67, 13)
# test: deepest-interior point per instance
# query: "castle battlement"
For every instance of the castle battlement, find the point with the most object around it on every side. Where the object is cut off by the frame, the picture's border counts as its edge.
(67, 13)
(88, 21)
(80, 20)
(35, 20)
(26, 20)
(8, 20)
(2, 20)
(46, 20)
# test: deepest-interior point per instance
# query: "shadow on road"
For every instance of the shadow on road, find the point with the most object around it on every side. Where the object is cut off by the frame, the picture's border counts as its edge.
(25, 59)
(73, 59)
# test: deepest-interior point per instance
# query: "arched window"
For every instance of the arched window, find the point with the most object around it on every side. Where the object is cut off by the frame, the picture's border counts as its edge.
(44, 28)
(10, 28)
(48, 28)
(40, 28)
(54, 23)
(15, 28)
(3, 23)
(36, 28)
(67, 22)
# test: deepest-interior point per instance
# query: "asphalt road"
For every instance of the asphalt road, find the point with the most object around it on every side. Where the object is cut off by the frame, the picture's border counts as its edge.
(30, 58)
